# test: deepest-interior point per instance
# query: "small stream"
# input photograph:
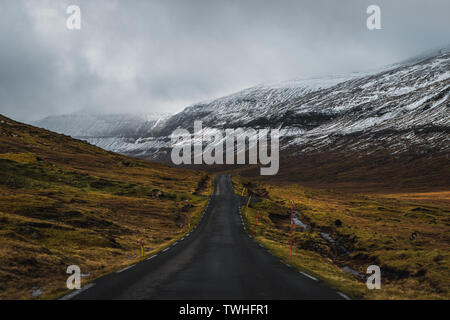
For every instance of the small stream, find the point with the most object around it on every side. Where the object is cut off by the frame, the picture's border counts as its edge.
(341, 248)
(298, 222)
(353, 272)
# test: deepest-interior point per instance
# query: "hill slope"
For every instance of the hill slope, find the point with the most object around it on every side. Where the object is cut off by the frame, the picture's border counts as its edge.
(65, 202)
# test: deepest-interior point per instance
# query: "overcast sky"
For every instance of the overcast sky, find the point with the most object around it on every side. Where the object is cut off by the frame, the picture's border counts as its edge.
(160, 56)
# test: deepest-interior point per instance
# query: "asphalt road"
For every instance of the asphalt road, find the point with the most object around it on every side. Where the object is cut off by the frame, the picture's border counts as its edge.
(218, 260)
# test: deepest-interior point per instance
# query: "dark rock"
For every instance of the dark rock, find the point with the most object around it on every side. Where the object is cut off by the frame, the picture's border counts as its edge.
(36, 235)
(421, 273)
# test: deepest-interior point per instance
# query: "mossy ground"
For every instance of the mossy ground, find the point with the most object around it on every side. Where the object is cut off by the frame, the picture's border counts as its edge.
(64, 202)
(369, 229)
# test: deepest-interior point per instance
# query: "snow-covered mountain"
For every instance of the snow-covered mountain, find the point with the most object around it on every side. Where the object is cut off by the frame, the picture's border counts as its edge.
(114, 132)
(398, 108)
(101, 125)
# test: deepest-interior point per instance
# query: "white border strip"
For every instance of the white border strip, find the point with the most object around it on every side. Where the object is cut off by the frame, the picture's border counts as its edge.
(76, 292)
(126, 268)
(309, 276)
(343, 295)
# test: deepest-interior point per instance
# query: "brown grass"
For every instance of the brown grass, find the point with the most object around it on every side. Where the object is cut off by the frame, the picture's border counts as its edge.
(64, 202)
(373, 229)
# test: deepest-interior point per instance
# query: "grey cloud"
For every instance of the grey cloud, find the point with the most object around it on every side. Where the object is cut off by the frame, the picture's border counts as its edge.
(146, 56)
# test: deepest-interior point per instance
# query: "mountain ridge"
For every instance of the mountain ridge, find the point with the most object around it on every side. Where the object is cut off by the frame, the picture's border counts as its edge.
(399, 112)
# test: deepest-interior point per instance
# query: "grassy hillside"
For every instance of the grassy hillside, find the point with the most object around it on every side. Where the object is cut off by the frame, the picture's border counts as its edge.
(406, 234)
(378, 172)
(64, 202)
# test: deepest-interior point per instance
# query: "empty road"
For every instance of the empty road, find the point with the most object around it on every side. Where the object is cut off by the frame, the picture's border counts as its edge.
(218, 260)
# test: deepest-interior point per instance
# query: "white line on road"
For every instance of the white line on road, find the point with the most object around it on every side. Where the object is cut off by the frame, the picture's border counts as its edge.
(126, 268)
(175, 244)
(74, 293)
(343, 295)
(309, 276)
(151, 257)
(165, 249)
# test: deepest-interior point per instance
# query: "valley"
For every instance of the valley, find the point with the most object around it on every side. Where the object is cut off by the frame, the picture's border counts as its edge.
(364, 157)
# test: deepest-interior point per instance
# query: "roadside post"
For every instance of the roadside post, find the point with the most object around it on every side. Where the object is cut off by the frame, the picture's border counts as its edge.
(141, 242)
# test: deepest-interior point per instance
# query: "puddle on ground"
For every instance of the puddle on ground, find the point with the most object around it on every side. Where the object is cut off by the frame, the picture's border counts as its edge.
(36, 292)
(353, 272)
(298, 222)
(341, 248)
(327, 237)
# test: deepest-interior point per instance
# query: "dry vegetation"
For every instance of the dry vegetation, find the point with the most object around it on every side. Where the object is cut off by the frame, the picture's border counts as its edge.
(369, 172)
(64, 202)
(407, 234)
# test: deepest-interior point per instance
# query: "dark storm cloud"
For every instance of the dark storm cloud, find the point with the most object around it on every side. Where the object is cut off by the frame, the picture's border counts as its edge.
(145, 56)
